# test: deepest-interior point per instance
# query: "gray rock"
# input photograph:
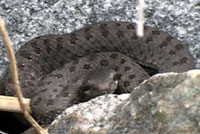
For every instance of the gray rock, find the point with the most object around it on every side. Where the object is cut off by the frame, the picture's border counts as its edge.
(164, 104)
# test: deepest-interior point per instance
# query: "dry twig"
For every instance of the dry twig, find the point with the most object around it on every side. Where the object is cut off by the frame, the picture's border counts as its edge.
(11, 104)
(14, 73)
(140, 17)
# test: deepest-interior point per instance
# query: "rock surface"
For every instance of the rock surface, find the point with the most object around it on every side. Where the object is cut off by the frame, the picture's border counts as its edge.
(166, 104)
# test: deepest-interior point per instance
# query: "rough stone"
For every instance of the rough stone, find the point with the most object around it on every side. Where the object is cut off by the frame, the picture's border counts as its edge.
(166, 103)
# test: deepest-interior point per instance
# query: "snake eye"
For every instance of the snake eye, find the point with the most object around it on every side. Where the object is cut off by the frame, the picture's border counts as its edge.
(87, 92)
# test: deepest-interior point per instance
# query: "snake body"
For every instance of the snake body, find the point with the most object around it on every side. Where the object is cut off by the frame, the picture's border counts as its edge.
(57, 71)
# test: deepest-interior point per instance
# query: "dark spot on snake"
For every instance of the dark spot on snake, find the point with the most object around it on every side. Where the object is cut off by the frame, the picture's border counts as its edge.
(49, 82)
(155, 32)
(61, 85)
(88, 29)
(41, 83)
(104, 62)
(117, 77)
(93, 57)
(73, 34)
(86, 66)
(43, 90)
(168, 38)
(58, 75)
(140, 81)
(141, 52)
(75, 80)
(27, 56)
(175, 63)
(126, 83)
(105, 33)
(145, 56)
(59, 39)
(55, 90)
(50, 96)
(52, 75)
(103, 26)
(72, 40)
(30, 83)
(122, 61)
(152, 54)
(37, 50)
(117, 24)
(123, 43)
(111, 42)
(116, 68)
(163, 44)
(64, 92)
(114, 56)
(172, 52)
(61, 62)
(72, 69)
(183, 60)
(10, 80)
(127, 68)
(88, 37)
(59, 47)
(22, 52)
(33, 43)
(134, 36)
(48, 48)
(46, 41)
(88, 51)
(50, 102)
(145, 28)
(37, 101)
(103, 48)
(120, 34)
(179, 47)
(149, 39)
(21, 65)
(130, 26)
(131, 76)
(75, 62)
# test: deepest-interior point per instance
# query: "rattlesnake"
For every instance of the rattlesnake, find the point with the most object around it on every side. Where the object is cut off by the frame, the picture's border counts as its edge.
(57, 71)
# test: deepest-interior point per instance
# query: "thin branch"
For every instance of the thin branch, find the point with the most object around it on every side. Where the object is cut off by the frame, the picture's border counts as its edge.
(14, 73)
(11, 104)
(140, 17)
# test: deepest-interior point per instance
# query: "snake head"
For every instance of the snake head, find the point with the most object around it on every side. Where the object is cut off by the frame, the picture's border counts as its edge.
(99, 82)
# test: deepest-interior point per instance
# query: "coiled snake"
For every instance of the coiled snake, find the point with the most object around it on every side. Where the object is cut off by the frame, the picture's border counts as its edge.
(57, 71)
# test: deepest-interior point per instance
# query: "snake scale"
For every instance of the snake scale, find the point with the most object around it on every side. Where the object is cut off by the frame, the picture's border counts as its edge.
(57, 71)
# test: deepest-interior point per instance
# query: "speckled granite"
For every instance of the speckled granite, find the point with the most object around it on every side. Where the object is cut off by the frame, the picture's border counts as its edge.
(28, 19)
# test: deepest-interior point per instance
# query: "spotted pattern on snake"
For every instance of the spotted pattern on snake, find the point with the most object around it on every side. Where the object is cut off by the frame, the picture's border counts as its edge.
(57, 71)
